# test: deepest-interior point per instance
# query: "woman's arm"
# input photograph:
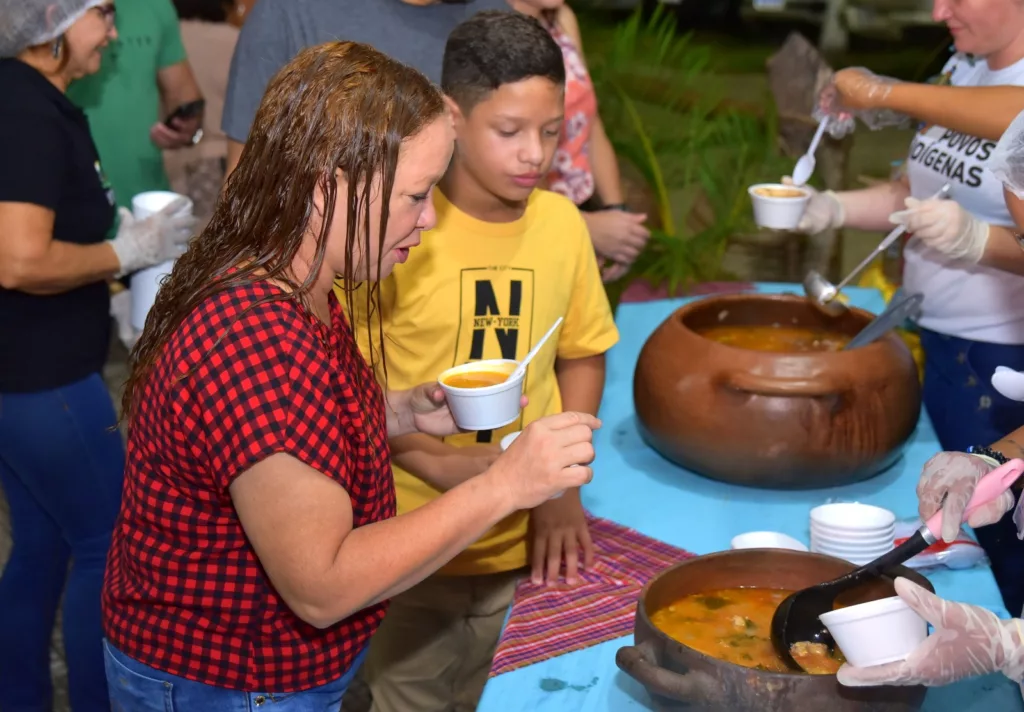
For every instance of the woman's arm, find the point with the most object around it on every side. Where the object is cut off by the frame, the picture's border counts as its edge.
(439, 464)
(985, 112)
(1012, 445)
(32, 261)
(301, 527)
(870, 208)
(1002, 251)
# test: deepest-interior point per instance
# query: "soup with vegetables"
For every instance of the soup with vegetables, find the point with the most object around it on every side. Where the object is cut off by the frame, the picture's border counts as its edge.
(778, 339)
(475, 379)
(734, 625)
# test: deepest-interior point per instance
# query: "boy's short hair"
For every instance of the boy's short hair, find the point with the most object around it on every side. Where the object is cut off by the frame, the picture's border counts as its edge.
(495, 47)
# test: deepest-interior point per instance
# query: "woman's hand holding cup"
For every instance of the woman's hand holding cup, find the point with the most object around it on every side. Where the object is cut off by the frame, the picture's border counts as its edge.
(552, 455)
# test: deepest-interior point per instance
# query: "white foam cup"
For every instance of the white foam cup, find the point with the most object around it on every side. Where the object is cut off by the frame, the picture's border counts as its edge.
(487, 408)
(778, 213)
(146, 282)
(877, 632)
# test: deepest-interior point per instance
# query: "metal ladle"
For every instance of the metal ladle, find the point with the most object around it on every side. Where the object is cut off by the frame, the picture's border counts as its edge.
(901, 307)
(823, 293)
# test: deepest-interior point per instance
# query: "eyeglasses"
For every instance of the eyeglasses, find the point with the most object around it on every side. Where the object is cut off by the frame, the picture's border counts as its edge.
(109, 13)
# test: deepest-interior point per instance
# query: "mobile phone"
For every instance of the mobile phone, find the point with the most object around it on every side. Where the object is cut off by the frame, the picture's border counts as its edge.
(186, 111)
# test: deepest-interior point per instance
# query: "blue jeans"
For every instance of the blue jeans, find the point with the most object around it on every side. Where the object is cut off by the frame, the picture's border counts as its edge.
(61, 469)
(135, 687)
(966, 410)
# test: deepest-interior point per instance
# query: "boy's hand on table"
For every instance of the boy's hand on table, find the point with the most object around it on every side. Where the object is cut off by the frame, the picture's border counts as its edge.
(559, 531)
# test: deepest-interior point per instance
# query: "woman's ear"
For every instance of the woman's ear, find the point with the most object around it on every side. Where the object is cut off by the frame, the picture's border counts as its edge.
(454, 111)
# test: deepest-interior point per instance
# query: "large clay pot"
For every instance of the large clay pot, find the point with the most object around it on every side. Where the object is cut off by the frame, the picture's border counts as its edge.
(778, 420)
(680, 678)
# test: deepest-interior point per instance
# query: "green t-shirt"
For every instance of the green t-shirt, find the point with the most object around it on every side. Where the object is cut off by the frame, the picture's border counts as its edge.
(122, 100)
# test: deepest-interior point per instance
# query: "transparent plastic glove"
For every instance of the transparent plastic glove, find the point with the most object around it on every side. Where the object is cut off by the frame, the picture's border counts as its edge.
(158, 238)
(1007, 159)
(968, 641)
(952, 476)
(856, 93)
(824, 211)
(944, 226)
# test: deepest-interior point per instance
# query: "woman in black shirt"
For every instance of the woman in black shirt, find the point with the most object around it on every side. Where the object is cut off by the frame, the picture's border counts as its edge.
(61, 456)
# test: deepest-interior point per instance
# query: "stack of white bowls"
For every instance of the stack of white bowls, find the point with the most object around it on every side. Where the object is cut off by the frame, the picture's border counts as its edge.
(856, 532)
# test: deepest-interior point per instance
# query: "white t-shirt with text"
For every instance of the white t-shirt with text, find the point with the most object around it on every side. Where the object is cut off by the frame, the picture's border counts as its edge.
(963, 300)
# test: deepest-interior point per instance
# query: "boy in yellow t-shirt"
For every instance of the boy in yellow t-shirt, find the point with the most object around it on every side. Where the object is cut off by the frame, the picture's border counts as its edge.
(504, 261)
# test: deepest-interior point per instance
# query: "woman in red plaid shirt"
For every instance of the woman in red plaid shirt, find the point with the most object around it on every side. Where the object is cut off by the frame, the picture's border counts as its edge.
(257, 543)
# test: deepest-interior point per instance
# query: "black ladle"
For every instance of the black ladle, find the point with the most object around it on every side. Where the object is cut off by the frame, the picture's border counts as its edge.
(797, 619)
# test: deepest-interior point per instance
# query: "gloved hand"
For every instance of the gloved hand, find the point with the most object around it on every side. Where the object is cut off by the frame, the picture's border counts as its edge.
(944, 226)
(968, 641)
(953, 476)
(856, 93)
(158, 238)
(824, 211)
(859, 89)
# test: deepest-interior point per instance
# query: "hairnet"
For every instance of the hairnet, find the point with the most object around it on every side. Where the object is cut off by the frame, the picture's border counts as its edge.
(27, 23)
(1007, 159)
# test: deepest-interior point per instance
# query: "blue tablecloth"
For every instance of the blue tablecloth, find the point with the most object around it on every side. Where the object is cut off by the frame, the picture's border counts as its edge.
(634, 486)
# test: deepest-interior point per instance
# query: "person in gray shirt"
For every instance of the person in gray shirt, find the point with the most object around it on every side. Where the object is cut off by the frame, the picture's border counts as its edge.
(411, 31)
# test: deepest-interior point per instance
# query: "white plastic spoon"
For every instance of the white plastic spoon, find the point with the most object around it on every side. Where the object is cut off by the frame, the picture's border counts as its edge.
(521, 368)
(805, 166)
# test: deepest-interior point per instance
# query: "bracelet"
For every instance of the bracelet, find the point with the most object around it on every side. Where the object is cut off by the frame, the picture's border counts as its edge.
(616, 206)
(992, 457)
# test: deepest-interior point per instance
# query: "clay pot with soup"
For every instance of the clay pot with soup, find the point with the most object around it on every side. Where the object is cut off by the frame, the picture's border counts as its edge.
(757, 390)
(702, 639)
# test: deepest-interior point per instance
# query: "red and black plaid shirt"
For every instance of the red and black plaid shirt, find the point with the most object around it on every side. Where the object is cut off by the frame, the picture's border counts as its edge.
(184, 590)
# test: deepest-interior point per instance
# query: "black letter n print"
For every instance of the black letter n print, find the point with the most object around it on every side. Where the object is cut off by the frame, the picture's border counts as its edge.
(488, 317)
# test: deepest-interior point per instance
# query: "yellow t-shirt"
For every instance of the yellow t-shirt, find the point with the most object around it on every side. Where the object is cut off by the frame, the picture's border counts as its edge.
(476, 290)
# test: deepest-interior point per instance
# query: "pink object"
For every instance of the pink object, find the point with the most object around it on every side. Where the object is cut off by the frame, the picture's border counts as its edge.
(988, 489)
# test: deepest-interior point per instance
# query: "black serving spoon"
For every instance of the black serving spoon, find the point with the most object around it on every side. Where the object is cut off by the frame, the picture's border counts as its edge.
(796, 620)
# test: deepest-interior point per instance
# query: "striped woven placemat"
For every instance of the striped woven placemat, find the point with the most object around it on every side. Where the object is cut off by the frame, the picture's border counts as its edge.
(547, 621)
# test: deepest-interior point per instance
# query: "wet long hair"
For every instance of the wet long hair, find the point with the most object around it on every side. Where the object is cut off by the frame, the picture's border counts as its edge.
(340, 105)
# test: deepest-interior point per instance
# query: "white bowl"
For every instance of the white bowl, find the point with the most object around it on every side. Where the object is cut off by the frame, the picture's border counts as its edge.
(855, 545)
(850, 535)
(885, 543)
(766, 540)
(864, 556)
(487, 408)
(853, 516)
(876, 632)
(778, 213)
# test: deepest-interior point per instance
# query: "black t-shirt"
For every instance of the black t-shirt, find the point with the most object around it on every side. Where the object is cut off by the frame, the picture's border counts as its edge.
(47, 158)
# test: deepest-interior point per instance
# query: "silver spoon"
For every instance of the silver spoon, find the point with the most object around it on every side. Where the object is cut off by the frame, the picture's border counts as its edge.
(823, 293)
(805, 166)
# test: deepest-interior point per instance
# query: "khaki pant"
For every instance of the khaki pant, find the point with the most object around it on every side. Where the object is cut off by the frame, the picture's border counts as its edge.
(434, 650)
